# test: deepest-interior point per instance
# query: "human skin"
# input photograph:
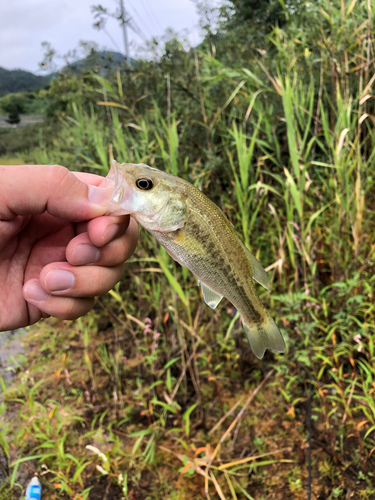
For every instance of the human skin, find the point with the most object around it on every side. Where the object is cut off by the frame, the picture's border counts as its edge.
(58, 249)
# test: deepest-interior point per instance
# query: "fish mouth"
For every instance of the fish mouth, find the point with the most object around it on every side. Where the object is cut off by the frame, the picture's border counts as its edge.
(121, 192)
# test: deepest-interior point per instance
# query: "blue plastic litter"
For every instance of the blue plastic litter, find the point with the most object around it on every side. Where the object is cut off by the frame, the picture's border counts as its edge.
(34, 490)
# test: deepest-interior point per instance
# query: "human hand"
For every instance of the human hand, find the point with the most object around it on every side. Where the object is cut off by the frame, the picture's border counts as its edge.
(57, 248)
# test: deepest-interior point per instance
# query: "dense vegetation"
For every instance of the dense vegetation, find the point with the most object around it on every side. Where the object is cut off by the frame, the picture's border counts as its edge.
(18, 80)
(274, 120)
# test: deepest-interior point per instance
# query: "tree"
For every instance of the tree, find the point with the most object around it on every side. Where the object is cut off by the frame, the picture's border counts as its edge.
(267, 13)
(13, 116)
(13, 105)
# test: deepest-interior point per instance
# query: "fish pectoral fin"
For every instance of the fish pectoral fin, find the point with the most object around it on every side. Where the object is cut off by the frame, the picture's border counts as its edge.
(264, 336)
(257, 270)
(211, 297)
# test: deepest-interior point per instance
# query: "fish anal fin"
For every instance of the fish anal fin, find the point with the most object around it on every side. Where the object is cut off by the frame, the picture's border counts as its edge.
(257, 271)
(264, 336)
(211, 297)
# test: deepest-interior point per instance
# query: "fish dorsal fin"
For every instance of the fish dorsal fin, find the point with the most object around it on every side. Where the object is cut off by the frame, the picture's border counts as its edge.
(257, 271)
(211, 297)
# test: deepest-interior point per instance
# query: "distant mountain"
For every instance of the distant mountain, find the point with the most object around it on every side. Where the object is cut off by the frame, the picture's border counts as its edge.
(18, 80)
(96, 60)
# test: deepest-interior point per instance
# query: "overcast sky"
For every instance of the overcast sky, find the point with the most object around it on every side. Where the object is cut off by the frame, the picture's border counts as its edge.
(25, 24)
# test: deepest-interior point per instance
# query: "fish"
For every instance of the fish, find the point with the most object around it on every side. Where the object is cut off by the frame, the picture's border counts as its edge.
(199, 236)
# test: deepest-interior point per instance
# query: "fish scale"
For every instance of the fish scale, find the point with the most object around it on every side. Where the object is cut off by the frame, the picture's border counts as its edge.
(198, 235)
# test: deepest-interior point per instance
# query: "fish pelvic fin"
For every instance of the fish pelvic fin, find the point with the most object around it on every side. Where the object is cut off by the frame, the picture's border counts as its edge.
(264, 336)
(211, 297)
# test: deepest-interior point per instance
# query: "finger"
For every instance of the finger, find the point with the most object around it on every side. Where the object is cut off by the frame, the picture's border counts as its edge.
(104, 229)
(60, 278)
(41, 304)
(31, 190)
(96, 180)
(81, 252)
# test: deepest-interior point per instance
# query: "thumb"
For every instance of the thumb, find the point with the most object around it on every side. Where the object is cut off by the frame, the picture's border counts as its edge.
(34, 189)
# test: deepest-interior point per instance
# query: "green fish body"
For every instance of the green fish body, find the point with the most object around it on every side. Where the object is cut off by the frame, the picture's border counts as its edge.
(197, 234)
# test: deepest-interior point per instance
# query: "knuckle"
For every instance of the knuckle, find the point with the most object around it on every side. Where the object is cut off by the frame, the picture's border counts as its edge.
(117, 252)
(78, 308)
(118, 273)
(58, 176)
(58, 172)
(108, 277)
(102, 282)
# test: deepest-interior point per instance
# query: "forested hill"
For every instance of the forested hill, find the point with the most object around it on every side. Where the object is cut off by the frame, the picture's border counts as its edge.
(18, 80)
(103, 59)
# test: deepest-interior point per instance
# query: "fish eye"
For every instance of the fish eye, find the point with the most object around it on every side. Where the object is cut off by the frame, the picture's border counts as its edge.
(144, 183)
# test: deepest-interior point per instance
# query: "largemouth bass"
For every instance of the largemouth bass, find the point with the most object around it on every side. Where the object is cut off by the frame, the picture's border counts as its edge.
(197, 234)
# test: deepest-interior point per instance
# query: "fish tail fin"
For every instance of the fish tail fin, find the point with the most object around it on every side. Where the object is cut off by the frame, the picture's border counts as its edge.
(264, 336)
